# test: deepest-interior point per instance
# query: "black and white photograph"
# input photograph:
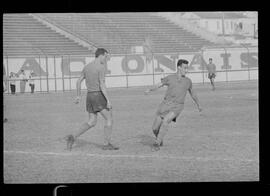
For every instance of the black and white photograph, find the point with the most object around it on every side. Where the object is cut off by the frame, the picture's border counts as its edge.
(127, 97)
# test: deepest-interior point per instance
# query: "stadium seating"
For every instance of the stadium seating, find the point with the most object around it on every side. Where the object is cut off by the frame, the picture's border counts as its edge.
(23, 35)
(117, 32)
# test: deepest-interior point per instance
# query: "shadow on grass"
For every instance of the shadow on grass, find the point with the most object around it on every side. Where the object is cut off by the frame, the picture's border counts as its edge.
(80, 143)
(146, 140)
(143, 139)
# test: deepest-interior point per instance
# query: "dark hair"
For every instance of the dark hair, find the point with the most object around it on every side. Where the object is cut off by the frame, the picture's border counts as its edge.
(210, 59)
(100, 51)
(181, 61)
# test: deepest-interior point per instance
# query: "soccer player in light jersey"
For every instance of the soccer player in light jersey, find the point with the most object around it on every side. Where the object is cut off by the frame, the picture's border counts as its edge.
(177, 87)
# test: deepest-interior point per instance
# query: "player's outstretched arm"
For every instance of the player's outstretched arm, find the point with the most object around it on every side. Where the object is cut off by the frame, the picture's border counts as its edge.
(195, 98)
(5, 82)
(153, 88)
(78, 86)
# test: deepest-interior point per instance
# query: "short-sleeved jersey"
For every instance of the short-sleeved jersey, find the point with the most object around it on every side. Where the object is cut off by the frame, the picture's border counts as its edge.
(176, 88)
(4, 71)
(12, 80)
(31, 79)
(93, 73)
(4, 74)
(23, 77)
(211, 68)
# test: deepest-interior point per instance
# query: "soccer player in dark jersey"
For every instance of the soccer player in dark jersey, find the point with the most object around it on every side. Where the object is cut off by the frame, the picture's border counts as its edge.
(97, 100)
(211, 67)
(177, 87)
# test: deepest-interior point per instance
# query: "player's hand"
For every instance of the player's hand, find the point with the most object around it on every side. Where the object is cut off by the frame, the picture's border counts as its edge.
(147, 92)
(200, 109)
(77, 100)
(109, 105)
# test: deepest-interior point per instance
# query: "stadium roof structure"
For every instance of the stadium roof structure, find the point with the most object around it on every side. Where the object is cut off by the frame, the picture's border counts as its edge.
(219, 15)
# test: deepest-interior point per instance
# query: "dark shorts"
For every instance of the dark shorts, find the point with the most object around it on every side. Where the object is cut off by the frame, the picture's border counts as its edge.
(95, 102)
(165, 108)
(210, 76)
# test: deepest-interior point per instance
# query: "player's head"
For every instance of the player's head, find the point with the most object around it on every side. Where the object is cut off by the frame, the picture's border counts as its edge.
(182, 66)
(102, 55)
(210, 60)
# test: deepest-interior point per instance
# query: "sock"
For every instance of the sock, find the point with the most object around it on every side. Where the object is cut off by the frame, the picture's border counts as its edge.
(163, 131)
(107, 134)
(82, 129)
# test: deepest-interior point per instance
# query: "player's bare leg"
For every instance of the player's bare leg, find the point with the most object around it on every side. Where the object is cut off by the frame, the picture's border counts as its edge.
(84, 127)
(212, 83)
(107, 115)
(156, 126)
(163, 130)
(5, 119)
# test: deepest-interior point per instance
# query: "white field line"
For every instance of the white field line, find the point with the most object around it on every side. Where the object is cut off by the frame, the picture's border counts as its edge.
(129, 156)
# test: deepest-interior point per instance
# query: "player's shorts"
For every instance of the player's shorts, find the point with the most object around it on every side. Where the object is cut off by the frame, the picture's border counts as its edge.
(165, 108)
(211, 75)
(95, 102)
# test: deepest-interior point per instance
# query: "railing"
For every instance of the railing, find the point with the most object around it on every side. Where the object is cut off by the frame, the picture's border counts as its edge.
(60, 73)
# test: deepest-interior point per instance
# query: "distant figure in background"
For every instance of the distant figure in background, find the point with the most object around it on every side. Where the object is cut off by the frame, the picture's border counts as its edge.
(211, 67)
(23, 80)
(32, 81)
(4, 90)
(147, 48)
(12, 80)
(148, 52)
(4, 80)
